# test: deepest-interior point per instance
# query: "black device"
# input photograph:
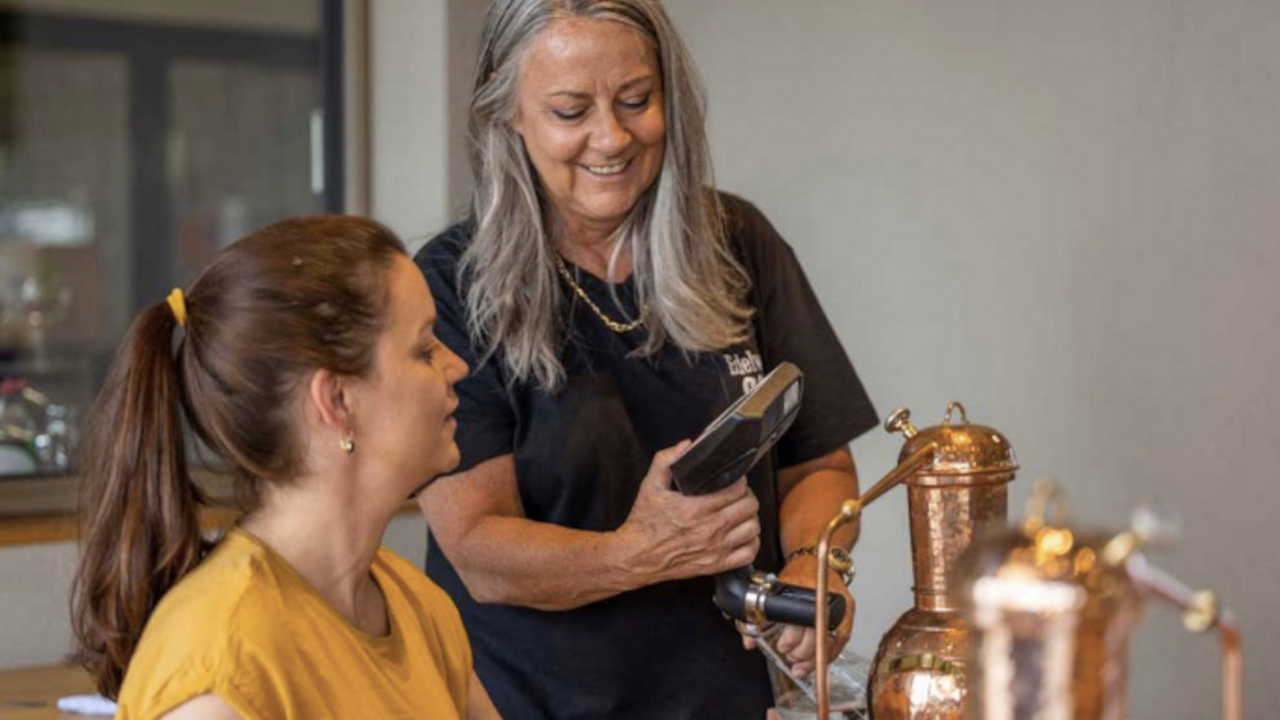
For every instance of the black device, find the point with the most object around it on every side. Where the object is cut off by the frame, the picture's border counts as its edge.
(734, 442)
(727, 450)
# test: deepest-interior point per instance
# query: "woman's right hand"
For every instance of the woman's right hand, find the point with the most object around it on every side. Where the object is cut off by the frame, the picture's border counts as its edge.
(669, 536)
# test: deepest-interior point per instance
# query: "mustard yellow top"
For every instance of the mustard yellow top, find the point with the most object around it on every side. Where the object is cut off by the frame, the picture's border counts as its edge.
(245, 627)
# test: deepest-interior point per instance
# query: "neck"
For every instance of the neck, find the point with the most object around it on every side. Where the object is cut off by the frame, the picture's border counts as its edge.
(329, 536)
(590, 246)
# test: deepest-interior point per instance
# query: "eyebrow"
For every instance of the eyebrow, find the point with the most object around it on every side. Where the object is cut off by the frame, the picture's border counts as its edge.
(623, 88)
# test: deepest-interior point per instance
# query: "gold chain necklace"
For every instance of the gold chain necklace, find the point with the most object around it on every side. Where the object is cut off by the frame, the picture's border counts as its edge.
(609, 322)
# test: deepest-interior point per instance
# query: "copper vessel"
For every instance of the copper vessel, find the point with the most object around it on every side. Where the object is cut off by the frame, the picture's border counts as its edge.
(920, 669)
(1052, 609)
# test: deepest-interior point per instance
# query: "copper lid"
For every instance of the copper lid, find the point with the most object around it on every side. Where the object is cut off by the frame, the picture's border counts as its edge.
(1046, 553)
(962, 448)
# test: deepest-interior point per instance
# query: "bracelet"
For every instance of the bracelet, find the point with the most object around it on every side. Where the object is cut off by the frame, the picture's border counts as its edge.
(838, 559)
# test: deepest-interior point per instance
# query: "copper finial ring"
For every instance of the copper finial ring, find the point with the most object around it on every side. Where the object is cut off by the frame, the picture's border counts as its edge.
(900, 421)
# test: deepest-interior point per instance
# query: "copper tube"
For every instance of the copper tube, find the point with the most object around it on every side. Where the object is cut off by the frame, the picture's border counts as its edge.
(1200, 613)
(851, 510)
(1232, 667)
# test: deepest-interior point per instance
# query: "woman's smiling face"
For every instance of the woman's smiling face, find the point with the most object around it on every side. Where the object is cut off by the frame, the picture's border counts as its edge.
(590, 111)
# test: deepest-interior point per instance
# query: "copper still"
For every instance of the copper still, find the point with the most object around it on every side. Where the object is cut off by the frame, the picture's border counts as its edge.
(920, 669)
(1052, 610)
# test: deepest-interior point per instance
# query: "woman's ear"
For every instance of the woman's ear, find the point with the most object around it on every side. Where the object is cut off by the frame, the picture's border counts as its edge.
(516, 123)
(331, 397)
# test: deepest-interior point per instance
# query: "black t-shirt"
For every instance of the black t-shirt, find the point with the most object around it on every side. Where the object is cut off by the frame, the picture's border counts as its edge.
(663, 651)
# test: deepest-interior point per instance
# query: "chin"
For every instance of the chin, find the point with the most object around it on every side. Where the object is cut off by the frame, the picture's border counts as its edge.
(607, 206)
(451, 460)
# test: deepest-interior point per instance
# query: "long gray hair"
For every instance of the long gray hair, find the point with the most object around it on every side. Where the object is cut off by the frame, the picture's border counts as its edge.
(684, 272)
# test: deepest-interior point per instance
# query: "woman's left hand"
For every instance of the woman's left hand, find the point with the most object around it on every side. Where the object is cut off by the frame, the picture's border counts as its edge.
(798, 644)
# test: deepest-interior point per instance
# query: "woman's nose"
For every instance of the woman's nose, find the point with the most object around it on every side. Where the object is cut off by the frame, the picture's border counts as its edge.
(609, 136)
(457, 366)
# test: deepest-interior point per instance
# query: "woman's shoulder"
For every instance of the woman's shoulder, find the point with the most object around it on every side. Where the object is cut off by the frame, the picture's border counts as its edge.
(736, 208)
(191, 639)
(219, 596)
(445, 250)
(439, 261)
(740, 214)
(752, 236)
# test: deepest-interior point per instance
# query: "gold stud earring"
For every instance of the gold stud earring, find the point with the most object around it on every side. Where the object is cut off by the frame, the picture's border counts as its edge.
(348, 443)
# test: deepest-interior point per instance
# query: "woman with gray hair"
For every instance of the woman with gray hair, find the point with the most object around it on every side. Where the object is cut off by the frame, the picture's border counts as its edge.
(612, 304)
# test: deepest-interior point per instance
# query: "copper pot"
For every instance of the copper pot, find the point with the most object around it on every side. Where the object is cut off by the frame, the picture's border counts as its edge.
(920, 669)
(1052, 610)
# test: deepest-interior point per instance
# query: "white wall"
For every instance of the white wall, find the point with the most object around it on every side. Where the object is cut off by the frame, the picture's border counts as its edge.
(1064, 215)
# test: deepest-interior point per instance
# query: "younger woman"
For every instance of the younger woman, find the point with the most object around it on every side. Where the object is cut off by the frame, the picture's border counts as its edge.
(304, 359)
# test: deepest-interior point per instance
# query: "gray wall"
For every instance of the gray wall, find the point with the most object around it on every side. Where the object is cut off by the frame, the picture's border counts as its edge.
(1064, 215)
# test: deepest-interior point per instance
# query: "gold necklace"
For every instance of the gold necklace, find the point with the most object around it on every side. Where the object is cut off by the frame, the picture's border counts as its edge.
(609, 322)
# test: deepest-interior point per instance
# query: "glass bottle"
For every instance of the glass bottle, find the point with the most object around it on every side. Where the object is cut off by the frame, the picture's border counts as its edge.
(796, 698)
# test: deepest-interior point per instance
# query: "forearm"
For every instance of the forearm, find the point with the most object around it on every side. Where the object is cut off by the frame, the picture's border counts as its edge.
(503, 557)
(811, 503)
(813, 500)
(517, 561)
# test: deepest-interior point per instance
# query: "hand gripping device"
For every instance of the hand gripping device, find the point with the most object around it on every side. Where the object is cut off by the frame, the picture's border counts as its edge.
(730, 446)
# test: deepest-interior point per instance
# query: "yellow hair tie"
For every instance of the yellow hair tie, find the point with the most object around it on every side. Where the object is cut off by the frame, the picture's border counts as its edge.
(178, 304)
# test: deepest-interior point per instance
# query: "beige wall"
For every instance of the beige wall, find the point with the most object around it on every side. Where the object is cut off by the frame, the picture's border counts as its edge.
(1064, 215)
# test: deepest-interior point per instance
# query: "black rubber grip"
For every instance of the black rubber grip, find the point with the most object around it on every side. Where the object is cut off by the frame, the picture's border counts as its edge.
(798, 606)
(785, 603)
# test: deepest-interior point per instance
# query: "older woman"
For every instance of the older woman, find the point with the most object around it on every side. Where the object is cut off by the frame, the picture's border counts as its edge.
(306, 362)
(612, 305)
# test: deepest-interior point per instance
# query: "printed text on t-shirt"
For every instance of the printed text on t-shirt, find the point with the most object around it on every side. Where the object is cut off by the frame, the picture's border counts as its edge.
(748, 365)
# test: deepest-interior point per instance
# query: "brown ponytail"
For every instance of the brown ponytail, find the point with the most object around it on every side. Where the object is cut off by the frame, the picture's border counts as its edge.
(139, 527)
(294, 297)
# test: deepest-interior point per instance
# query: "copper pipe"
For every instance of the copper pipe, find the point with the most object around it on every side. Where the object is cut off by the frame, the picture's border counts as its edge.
(1200, 612)
(1232, 667)
(851, 510)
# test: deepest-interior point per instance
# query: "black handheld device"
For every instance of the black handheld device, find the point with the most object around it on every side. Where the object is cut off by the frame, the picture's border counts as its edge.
(730, 446)
(734, 442)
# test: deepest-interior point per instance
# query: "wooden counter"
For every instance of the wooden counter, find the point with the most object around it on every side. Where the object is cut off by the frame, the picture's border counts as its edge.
(61, 527)
(42, 510)
(32, 693)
